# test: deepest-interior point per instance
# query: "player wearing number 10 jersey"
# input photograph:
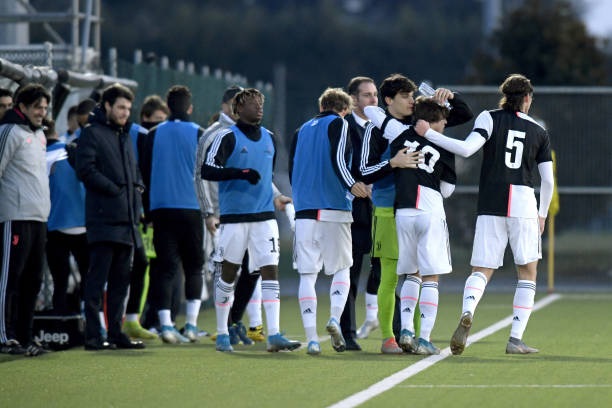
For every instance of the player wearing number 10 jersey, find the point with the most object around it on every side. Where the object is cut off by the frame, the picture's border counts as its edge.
(422, 235)
(514, 145)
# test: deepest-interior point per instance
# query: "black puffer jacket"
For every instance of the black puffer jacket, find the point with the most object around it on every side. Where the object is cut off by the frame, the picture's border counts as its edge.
(106, 164)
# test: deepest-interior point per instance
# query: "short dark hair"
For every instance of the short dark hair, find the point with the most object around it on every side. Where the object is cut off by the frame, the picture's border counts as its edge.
(244, 95)
(353, 86)
(5, 92)
(31, 93)
(178, 99)
(394, 84)
(85, 106)
(230, 92)
(115, 91)
(71, 111)
(151, 104)
(513, 89)
(429, 110)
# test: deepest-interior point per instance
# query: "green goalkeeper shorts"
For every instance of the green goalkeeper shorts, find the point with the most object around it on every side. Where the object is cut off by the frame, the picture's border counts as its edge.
(384, 234)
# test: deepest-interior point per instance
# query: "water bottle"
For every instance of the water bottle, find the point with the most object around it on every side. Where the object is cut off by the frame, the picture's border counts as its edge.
(290, 213)
(426, 90)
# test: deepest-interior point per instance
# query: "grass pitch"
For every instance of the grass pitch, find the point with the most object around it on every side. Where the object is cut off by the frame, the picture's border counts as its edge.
(573, 368)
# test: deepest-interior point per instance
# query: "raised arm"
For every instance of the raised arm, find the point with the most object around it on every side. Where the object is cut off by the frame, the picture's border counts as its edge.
(464, 148)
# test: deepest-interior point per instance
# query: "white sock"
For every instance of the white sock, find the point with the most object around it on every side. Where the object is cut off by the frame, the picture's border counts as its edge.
(307, 298)
(371, 302)
(254, 307)
(224, 297)
(428, 303)
(164, 317)
(472, 292)
(408, 300)
(522, 306)
(192, 312)
(131, 317)
(270, 296)
(338, 292)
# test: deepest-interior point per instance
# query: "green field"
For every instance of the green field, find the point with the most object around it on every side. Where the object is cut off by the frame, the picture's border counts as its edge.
(573, 368)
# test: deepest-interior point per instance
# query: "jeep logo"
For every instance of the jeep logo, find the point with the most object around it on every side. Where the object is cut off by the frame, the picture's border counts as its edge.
(61, 337)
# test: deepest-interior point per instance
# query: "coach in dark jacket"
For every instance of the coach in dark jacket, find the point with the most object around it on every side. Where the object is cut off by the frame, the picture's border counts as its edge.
(106, 164)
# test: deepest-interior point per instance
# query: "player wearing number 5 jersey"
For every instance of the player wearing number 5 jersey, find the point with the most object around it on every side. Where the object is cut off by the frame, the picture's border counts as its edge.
(514, 145)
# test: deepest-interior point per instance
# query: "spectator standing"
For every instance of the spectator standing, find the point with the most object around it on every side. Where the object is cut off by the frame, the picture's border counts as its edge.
(106, 164)
(363, 93)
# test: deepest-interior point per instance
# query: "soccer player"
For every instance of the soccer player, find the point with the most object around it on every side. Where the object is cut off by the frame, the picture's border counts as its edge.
(397, 95)
(421, 221)
(323, 188)
(514, 145)
(242, 160)
(167, 164)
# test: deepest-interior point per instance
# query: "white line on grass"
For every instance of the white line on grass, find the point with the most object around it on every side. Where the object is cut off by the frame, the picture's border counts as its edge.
(506, 386)
(395, 379)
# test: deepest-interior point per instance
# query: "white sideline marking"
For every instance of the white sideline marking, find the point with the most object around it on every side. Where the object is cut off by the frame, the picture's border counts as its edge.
(395, 379)
(506, 386)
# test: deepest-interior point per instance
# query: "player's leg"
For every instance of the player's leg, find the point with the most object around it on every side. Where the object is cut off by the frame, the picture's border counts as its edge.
(490, 240)
(525, 241)
(233, 240)
(192, 256)
(434, 260)
(337, 260)
(307, 258)
(263, 247)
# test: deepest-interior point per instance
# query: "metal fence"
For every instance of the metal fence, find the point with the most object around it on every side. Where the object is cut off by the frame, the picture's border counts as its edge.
(206, 87)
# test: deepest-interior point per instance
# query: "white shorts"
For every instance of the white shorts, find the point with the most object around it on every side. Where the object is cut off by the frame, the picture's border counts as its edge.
(260, 238)
(493, 234)
(423, 244)
(321, 244)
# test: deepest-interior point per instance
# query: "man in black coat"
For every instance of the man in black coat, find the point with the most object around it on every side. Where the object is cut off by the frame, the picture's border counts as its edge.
(106, 164)
(363, 92)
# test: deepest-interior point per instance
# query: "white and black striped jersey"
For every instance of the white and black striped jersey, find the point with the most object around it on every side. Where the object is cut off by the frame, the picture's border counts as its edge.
(420, 188)
(515, 145)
